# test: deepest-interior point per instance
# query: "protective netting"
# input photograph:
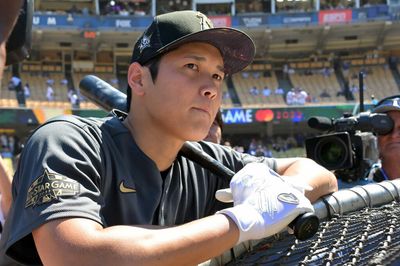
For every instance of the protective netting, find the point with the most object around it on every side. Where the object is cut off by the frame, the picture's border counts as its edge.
(370, 236)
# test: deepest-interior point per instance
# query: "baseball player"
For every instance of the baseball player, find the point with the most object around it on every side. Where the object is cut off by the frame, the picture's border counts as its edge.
(116, 191)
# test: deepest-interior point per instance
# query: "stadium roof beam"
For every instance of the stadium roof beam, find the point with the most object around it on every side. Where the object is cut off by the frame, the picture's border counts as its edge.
(382, 34)
(265, 43)
(322, 38)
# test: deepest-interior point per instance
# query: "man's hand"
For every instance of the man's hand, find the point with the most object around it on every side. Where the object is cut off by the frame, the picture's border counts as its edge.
(264, 203)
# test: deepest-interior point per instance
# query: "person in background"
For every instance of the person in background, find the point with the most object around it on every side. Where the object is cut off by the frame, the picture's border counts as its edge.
(14, 83)
(388, 145)
(27, 90)
(50, 93)
(374, 101)
(5, 190)
(215, 133)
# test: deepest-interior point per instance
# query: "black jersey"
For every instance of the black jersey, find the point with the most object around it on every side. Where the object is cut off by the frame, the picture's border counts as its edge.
(92, 168)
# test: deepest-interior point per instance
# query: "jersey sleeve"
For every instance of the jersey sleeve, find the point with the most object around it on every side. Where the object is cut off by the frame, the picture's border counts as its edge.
(58, 177)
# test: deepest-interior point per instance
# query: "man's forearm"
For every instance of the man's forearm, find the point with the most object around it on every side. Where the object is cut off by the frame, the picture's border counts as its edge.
(188, 244)
(319, 178)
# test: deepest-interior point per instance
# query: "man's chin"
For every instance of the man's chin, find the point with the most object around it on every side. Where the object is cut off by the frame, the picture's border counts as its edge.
(196, 137)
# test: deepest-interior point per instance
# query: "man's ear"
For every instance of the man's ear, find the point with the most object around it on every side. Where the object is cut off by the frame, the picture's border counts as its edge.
(135, 75)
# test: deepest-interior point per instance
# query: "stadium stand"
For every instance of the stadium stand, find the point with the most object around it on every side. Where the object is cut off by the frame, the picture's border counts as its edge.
(378, 81)
(226, 97)
(258, 76)
(38, 84)
(62, 7)
(316, 78)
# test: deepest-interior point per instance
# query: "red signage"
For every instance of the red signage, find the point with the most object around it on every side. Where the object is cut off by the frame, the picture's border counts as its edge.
(264, 115)
(89, 34)
(267, 115)
(334, 16)
(221, 21)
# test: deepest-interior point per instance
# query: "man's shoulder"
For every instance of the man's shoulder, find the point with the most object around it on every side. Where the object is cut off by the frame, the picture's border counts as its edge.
(69, 120)
(60, 127)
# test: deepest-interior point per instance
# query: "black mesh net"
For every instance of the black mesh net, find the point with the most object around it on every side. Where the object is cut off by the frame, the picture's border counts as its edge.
(370, 236)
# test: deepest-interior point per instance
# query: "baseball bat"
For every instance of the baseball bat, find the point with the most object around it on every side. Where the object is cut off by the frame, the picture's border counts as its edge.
(107, 97)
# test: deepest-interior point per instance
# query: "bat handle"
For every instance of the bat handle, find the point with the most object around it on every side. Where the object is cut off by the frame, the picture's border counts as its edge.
(305, 225)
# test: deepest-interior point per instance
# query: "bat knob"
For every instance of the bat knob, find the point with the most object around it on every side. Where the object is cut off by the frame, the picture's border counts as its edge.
(305, 226)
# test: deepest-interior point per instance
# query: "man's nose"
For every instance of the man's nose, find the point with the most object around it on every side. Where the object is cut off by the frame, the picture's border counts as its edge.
(209, 89)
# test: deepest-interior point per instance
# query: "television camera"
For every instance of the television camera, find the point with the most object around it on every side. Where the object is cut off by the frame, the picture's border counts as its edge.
(351, 149)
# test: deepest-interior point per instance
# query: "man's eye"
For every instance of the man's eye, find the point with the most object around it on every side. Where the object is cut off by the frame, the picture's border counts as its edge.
(192, 66)
(217, 77)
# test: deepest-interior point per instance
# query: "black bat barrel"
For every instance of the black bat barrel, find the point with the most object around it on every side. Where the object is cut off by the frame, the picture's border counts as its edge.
(102, 94)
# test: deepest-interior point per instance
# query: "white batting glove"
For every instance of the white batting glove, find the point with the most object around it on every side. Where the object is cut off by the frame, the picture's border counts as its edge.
(225, 195)
(264, 204)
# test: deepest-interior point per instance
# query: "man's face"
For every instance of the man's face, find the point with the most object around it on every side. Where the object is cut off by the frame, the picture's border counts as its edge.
(185, 97)
(389, 145)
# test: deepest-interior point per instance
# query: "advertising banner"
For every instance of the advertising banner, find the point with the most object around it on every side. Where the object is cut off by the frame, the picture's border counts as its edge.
(297, 19)
(334, 16)
(252, 21)
(90, 22)
(278, 115)
(221, 21)
(230, 116)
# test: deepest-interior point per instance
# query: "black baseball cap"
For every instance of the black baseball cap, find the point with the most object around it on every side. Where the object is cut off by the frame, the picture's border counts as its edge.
(391, 103)
(170, 30)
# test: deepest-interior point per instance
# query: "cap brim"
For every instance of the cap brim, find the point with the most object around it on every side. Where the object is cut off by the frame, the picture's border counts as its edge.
(385, 109)
(236, 47)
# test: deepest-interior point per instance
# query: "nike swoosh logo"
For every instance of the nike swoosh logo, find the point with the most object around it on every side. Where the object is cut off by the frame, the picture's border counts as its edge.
(125, 189)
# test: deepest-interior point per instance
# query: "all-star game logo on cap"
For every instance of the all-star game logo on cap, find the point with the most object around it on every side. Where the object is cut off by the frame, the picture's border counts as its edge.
(144, 42)
(170, 30)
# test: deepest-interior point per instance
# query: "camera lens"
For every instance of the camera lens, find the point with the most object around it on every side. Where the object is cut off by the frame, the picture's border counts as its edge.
(331, 152)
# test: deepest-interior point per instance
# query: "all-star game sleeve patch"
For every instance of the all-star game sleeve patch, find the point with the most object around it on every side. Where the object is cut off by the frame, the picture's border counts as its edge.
(50, 187)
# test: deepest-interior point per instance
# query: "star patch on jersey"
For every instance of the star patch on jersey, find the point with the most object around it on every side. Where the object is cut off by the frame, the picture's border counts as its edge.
(288, 198)
(50, 187)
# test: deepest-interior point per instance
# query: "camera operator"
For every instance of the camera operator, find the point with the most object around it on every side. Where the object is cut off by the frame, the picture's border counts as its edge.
(389, 144)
